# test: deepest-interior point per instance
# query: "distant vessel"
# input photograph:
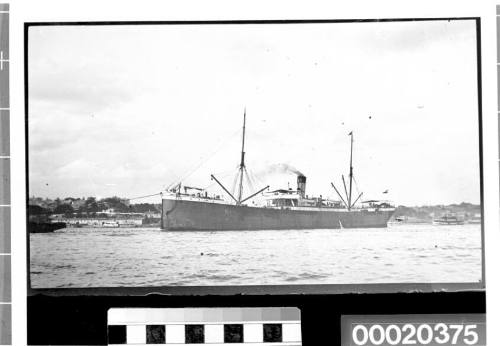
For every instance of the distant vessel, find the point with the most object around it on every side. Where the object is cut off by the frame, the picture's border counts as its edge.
(476, 219)
(40, 223)
(448, 219)
(44, 227)
(110, 224)
(283, 208)
(403, 219)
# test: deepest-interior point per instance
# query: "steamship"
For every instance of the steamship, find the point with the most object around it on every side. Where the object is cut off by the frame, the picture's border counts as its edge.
(281, 208)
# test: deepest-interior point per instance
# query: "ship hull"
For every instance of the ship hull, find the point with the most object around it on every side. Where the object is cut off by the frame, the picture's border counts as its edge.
(45, 227)
(454, 222)
(183, 215)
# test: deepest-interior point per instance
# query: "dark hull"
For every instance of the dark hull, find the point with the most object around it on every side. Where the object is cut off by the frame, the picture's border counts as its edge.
(179, 215)
(45, 227)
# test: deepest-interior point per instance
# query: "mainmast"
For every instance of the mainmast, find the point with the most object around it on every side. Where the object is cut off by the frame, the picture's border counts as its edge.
(350, 174)
(242, 163)
(348, 201)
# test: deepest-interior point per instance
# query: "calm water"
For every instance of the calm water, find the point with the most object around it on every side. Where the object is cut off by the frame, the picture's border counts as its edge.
(150, 257)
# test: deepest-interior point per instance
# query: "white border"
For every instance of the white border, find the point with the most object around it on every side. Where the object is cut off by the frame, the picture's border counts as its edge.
(92, 10)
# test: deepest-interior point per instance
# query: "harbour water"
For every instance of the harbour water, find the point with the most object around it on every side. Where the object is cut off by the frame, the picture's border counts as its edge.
(403, 253)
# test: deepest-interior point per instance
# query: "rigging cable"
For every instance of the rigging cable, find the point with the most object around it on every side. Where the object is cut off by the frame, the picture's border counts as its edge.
(204, 160)
(256, 178)
(235, 181)
(156, 194)
(249, 181)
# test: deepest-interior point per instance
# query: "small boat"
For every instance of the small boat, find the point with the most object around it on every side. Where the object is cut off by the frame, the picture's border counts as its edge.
(475, 220)
(448, 219)
(110, 224)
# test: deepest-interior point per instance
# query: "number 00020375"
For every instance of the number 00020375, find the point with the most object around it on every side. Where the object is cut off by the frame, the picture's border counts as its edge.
(414, 334)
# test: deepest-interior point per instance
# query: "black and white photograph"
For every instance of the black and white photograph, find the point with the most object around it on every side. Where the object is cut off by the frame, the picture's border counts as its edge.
(270, 153)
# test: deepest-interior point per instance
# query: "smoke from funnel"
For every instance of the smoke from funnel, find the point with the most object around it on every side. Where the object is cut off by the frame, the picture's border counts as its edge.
(282, 168)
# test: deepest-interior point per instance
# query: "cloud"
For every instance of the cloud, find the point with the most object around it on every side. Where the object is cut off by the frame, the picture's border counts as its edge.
(77, 88)
(414, 36)
(71, 69)
(127, 110)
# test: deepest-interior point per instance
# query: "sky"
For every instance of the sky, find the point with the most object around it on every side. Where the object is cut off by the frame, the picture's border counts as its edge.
(130, 110)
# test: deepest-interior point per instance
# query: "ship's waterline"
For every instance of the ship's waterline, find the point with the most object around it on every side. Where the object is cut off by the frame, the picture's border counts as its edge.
(152, 257)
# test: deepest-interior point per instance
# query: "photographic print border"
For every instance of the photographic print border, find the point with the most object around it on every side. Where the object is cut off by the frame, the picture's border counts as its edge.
(261, 289)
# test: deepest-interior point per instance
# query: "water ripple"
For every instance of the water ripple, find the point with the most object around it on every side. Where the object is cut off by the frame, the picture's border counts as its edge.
(149, 257)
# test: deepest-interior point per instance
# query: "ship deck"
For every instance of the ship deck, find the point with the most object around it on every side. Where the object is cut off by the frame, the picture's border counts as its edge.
(298, 208)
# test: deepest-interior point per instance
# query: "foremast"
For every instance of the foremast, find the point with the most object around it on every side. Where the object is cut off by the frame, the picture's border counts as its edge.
(242, 171)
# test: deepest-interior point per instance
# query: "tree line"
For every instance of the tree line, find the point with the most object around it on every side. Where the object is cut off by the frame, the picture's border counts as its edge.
(91, 205)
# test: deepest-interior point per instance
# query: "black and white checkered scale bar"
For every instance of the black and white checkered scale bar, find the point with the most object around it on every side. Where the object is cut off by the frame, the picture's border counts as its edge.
(208, 326)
